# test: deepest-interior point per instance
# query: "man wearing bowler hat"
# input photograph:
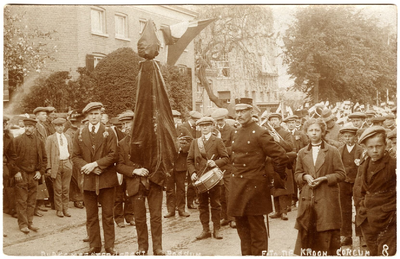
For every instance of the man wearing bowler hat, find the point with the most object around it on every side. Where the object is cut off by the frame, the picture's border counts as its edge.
(250, 197)
(59, 166)
(30, 166)
(376, 213)
(94, 153)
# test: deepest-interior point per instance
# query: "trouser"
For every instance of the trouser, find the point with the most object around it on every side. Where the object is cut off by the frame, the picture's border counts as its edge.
(75, 188)
(106, 198)
(380, 242)
(154, 198)
(191, 191)
(176, 192)
(123, 206)
(25, 196)
(345, 195)
(281, 203)
(253, 234)
(224, 200)
(50, 189)
(61, 185)
(211, 197)
(8, 192)
(295, 196)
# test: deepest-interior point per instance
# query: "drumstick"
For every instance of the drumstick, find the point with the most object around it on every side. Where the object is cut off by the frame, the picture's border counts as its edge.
(205, 168)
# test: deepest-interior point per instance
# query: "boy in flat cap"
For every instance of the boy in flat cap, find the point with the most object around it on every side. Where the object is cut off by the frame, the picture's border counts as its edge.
(59, 166)
(30, 166)
(94, 153)
(351, 154)
(376, 214)
(204, 154)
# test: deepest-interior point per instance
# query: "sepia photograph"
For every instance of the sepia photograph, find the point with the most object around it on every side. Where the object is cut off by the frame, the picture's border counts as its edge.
(199, 129)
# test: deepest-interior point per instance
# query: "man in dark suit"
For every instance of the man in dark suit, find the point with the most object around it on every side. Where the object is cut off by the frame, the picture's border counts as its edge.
(175, 183)
(190, 125)
(95, 152)
(138, 188)
(250, 197)
(204, 154)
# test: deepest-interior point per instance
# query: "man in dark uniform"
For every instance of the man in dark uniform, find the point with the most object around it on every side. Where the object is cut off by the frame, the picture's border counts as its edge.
(175, 183)
(140, 188)
(376, 214)
(191, 126)
(95, 152)
(219, 115)
(31, 163)
(250, 197)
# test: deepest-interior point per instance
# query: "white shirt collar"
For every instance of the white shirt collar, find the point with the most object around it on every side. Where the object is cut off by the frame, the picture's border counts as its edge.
(96, 127)
(207, 137)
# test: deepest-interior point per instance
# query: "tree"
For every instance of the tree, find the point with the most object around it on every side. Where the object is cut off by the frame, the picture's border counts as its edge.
(25, 49)
(335, 53)
(242, 34)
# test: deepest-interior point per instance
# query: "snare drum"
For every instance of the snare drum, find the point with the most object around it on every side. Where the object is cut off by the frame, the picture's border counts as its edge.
(208, 180)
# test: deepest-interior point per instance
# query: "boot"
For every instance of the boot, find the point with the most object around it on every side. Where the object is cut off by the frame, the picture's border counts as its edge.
(217, 234)
(204, 234)
(275, 215)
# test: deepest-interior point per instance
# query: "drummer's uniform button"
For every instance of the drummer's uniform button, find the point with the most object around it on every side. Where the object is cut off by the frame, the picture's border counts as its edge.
(244, 164)
(241, 176)
(248, 142)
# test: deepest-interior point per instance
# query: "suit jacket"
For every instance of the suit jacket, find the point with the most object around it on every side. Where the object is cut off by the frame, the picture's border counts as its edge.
(193, 132)
(299, 140)
(53, 152)
(20, 149)
(326, 194)
(227, 133)
(332, 136)
(286, 143)
(41, 131)
(351, 176)
(249, 185)
(9, 156)
(378, 197)
(214, 147)
(180, 164)
(105, 153)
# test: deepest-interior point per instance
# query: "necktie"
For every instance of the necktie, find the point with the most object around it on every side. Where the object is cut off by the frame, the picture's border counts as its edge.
(93, 129)
(61, 140)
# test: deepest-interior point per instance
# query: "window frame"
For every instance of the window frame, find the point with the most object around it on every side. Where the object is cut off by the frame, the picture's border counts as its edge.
(103, 23)
(125, 36)
(142, 21)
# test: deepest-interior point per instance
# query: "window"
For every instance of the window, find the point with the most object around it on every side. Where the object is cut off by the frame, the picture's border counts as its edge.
(93, 59)
(98, 17)
(121, 26)
(142, 23)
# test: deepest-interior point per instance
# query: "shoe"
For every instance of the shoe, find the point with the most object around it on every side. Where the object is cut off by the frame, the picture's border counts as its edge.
(158, 252)
(275, 215)
(204, 234)
(289, 208)
(66, 214)
(141, 252)
(362, 242)
(86, 239)
(184, 214)
(224, 222)
(37, 213)
(25, 230)
(111, 251)
(232, 224)
(217, 234)
(169, 215)
(284, 216)
(78, 204)
(48, 205)
(346, 241)
(121, 224)
(93, 250)
(192, 206)
(59, 213)
(33, 228)
(132, 222)
(43, 209)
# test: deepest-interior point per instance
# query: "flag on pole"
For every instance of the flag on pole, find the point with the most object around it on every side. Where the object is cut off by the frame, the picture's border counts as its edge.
(178, 37)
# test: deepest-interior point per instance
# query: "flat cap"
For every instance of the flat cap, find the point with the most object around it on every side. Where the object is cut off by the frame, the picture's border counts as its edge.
(40, 109)
(126, 115)
(291, 118)
(220, 113)
(370, 113)
(357, 115)
(327, 115)
(392, 134)
(348, 128)
(377, 119)
(176, 113)
(92, 106)
(243, 103)
(274, 114)
(59, 121)
(390, 116)
(195, 115)
(29, 121)
(205, 121)
(50, 109)
(370, 132)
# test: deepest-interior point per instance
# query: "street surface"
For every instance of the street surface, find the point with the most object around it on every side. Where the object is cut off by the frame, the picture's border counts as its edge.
(63, 236)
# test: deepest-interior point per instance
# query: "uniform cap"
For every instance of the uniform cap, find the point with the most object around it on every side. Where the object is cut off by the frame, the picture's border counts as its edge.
(40, 109)
(176, 113)
(195, 115)
(92, 106)
(59, 121)
(243, 103)
(126, 115)
(348, 128)
(370, 132)
(205, 121)
(357, 115)
(291, 118)
(29, 121)
(220, 113)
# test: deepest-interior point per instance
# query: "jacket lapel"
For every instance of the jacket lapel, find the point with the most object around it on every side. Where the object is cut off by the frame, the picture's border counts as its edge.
(320, 159)
(308, 160)
(55, 141)
(381, 165)
(209, 144)
(86, 138)
(98, 138)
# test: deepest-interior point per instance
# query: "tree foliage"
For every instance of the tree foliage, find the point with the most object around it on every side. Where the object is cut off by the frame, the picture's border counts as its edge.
(335, 53)
(241, 34)
(25, 49)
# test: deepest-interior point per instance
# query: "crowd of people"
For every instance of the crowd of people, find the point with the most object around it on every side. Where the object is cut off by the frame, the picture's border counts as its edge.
(237, 172)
